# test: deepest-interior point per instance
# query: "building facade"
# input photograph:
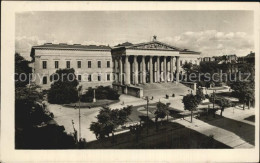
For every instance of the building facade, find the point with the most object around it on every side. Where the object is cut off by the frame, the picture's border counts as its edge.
(124, 67)
(92, 64)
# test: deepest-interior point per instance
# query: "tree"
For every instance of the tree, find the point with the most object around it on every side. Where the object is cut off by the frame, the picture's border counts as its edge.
(64, 88)
(223, 103)
(109, 120)
(190, 68)
(34, 125)
(199, 95)
(28, 109)
(191, 103)
(161, 112)
(244, 91)
(207, 69)
(22, 71)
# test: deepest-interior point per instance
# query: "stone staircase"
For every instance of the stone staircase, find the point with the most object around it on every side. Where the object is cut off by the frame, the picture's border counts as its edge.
(159, 89)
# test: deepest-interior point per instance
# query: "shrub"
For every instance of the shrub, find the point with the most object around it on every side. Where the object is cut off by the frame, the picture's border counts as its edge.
(100, 93)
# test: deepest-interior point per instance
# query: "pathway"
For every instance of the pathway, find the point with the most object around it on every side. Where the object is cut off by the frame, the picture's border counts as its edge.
(232, 130)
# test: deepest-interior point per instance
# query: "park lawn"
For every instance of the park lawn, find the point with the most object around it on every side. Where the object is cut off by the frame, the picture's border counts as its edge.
(88, 105)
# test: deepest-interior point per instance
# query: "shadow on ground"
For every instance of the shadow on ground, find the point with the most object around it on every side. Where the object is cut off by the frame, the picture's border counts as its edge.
(170, 135)
(241, 129)
(250, 118)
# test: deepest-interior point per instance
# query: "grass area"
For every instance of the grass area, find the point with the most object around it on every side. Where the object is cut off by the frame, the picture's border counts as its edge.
(98, 103)
(151, 109)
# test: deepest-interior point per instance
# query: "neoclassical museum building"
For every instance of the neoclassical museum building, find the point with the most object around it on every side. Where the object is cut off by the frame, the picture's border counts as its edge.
(125, 67)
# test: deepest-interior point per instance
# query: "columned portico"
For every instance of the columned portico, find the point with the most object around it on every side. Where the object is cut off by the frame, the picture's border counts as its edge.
(151, 62)
(158, 69)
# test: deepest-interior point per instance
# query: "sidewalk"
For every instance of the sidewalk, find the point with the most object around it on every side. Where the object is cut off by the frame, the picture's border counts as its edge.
(231, 130)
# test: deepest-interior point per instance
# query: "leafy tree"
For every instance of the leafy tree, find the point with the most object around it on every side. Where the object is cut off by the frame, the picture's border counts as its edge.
(34, 125)
(223, 103)
(190, 68)
(21, 67)
(64, 89)
(28, 109)
(208, 67)
(199, 95)
(162, 110)
(244, 91)
(109, 120)
(191, 103)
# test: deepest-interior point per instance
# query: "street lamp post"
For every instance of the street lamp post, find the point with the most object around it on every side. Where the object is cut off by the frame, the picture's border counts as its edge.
(147, 100)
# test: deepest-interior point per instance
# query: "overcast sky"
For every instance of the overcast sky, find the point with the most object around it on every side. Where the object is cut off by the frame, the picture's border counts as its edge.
(210, 32)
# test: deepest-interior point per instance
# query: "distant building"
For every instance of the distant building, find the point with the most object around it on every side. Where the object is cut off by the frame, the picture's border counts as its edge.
(250, 58)
(208, 59)
(221, 59)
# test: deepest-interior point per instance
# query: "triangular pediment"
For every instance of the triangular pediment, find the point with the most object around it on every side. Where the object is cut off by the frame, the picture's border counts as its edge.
(154, 45)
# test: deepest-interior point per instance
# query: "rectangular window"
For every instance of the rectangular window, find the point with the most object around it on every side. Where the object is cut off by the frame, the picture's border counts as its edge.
(79, 64)
(99, 64)
(99, 77)
(180, 63)
(89, 64)
(56, 64)
(89, 78)
(68, 64)
(44, 64)
(108, 64)
(44, 80)
(79, 78)
(108, 77)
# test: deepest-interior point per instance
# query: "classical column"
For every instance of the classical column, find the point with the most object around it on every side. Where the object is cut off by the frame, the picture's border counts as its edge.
(120, 70)
(127, 71)
(143, 70)
(177, 68)
(158, 69)
(151, 69)
(135, 70)
(115, 69)
(171, 67)
(164, 69)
